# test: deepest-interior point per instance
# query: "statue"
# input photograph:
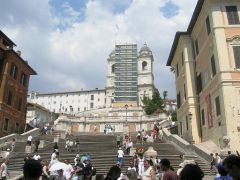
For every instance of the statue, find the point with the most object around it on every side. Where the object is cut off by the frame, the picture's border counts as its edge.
(226, 147)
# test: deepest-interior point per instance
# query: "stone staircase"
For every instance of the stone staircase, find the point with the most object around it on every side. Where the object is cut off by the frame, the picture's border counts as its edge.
(103, 151)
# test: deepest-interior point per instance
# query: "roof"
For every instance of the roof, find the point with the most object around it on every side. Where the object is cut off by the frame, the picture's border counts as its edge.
(23, 61)
(145, 48)
(30, 104)
(69, 92)
(192, 23)
(174, 46)
(7, 38)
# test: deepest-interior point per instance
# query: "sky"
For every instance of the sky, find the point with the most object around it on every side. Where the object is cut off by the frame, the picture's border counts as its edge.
(67, 42)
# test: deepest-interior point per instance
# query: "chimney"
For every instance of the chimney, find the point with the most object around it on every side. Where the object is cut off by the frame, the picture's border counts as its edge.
(19, 52)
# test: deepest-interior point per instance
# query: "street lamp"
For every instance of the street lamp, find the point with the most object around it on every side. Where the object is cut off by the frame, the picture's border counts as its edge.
(126, 107)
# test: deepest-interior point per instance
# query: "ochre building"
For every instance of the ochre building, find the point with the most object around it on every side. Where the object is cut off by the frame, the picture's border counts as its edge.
(206, 62)
(14, 78)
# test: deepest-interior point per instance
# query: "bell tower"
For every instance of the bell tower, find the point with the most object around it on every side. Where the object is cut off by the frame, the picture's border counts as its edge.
(145, 74)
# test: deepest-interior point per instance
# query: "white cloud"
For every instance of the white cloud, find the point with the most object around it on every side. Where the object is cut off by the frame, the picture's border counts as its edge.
(75, 56)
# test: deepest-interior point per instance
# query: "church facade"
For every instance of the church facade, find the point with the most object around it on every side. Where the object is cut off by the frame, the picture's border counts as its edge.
(129, 79)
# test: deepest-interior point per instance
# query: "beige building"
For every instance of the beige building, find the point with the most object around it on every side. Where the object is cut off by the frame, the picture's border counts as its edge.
(206, 62)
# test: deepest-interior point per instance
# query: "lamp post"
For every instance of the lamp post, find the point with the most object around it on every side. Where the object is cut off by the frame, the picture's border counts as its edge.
(126, 123)
(126, 107)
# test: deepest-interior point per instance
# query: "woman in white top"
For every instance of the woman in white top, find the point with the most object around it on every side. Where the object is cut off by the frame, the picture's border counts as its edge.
(140, 165)
(149, 173)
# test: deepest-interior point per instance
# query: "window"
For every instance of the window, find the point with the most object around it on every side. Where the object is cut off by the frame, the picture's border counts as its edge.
(217, 104)
(196, 47)
(113, 68)
(5, 124)
(186, 119)
(92, 97)
(1, 61)
(144, 65)
(182, 56)
(236, 51)
(181, 128)
(203, 117)
(91, 105)
(9, 98)
(23, 79)
(17, 128)
(232, 14)
(14, 71)
(213, 66)
(177, 71)
(199, 83)
(178, 100)
(19, 107)
(208, 25)
(184, 90)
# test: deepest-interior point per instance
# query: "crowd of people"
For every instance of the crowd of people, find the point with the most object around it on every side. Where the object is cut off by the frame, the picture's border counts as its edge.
(155, 169)
(140, 167)
(55, 169)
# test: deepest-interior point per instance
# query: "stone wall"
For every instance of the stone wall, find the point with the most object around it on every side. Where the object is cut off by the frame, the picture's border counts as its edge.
(19, 137)
(186, 146)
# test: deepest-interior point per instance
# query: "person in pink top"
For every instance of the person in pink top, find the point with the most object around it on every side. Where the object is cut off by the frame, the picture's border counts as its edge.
(168, 173)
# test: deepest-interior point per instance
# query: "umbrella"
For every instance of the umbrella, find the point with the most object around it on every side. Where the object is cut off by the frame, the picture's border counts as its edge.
(58, 166)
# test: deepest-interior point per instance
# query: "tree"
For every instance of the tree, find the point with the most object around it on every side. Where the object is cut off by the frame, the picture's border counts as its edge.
(174, 116)
(153, 105)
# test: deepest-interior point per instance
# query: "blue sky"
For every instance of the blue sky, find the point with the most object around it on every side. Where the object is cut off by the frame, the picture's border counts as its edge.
(68, 41)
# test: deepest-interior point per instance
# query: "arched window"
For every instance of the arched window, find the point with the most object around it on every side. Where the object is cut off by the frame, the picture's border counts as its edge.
(113, 68)
(144, 65)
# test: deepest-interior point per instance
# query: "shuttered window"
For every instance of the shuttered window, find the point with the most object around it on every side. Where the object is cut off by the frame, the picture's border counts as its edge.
(177, 70)
(203, 117)
(232, 15)
(178, 100)
(196, 47)
(199, 83)
(208, 25)
(236, 51)
(217, 104)
(213, 66)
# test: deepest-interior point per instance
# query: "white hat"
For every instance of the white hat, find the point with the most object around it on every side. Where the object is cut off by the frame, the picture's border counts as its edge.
(8, 149)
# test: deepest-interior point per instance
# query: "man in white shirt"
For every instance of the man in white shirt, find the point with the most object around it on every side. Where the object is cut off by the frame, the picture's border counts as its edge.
(68, 171)
(120, 156)
(7, 154)
(4, 170)
(29, 140)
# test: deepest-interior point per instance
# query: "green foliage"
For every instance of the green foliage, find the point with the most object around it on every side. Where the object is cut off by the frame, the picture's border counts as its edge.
(174, 116)
(153, 105)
